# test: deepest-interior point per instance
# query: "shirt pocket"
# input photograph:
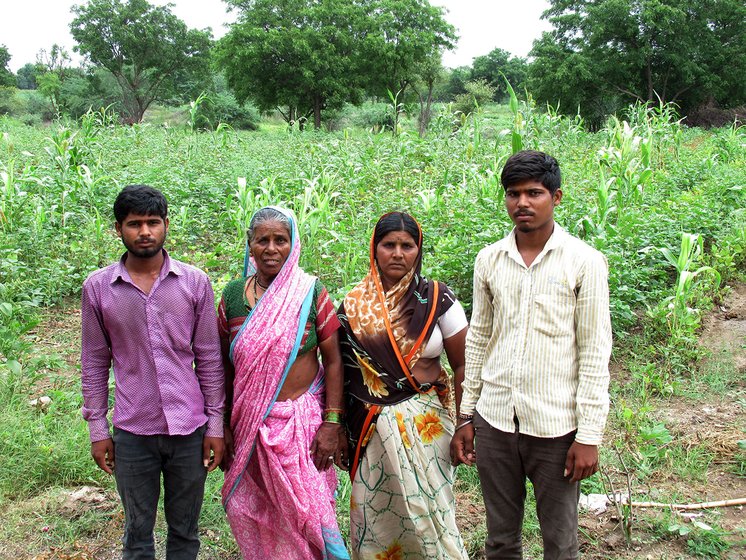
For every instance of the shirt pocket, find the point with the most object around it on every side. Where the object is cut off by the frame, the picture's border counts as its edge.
(553, 314)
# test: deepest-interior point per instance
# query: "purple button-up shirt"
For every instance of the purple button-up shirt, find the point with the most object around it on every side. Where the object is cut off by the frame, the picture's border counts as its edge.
(165, 349)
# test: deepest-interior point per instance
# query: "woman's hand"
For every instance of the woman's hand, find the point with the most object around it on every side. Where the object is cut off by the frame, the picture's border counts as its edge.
(325, 448)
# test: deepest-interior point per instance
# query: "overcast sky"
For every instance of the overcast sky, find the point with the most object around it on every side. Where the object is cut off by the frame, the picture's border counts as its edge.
(29, 25)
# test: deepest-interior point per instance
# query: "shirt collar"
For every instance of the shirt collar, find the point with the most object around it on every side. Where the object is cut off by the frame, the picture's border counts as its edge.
(508, 244)
(169, 266)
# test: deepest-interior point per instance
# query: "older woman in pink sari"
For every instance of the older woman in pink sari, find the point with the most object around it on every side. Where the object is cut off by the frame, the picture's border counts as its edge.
(284, 431)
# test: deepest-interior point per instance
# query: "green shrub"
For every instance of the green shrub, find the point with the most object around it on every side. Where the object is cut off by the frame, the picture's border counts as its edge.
(371, 116)
(36, 104)
(9, 104)
(478, 92)
(223, 107)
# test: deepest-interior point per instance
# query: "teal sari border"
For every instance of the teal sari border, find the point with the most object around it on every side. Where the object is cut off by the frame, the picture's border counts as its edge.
(305, 310)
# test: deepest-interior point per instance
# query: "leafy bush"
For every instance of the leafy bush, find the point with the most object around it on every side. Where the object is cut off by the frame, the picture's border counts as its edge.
(34, 103)
(371, 116)
(9, 104)
(223, 107)
(478, 92)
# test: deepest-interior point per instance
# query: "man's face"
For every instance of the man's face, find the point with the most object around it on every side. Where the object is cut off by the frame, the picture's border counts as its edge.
(531, 205)
(143, 235)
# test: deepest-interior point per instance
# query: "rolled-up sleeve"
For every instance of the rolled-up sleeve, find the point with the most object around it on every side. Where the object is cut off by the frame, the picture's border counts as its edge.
(95, 363)
(208, 360)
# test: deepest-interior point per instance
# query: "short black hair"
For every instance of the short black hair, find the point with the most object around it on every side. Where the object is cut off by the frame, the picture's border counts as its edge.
(531, 165)
(142, 200)
(396, 221)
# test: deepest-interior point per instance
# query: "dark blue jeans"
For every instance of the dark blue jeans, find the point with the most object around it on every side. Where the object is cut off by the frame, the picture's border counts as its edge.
(139, 461)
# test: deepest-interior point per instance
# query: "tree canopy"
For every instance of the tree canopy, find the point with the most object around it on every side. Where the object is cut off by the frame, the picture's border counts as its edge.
(401, 39)
(307, 55)
(603, 54)
(293, 53)
(498, 65)
(6, 76)
(151, 52)
(26, 76)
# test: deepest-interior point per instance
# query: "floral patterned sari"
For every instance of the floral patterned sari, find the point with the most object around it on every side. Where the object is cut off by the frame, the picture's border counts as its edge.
(402, 502)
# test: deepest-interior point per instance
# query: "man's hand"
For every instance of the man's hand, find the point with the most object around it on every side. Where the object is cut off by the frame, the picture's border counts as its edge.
(581, 462)
(462, 446)
(212, 452)
(103, 453)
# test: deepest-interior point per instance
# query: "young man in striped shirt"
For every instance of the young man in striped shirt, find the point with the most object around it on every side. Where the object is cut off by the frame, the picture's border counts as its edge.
(535, 392)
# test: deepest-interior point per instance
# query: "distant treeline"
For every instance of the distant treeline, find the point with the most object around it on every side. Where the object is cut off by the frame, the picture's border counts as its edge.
(308, 59)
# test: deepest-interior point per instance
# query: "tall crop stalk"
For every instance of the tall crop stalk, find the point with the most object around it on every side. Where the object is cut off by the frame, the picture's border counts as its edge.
(682, 320)
(248, 201)
(600, 224)
(627, 160)
(397, 108)
(194, 107)
(313, 206)
(519, 123)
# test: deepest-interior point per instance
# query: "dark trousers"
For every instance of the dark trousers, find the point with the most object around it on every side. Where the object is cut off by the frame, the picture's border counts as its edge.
(139, 461)
(504, 461)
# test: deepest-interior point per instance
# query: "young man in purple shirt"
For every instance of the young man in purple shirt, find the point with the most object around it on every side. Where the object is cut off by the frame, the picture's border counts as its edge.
(153, 318)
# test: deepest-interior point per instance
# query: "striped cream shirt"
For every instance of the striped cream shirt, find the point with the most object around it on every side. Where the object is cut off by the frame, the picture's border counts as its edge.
(539, 341)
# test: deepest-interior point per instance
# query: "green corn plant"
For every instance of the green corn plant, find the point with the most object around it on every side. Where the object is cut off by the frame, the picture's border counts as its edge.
(682, 320)
(397, 108)
(248, 201)
(11, 197)
(226, 135)
(194, 107)
(627, 159)
(518, 131)
(599, 225)
(313, 206)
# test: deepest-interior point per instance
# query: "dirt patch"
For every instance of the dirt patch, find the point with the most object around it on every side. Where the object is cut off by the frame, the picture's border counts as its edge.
(39, 528)
(58, 332)
(725, 328)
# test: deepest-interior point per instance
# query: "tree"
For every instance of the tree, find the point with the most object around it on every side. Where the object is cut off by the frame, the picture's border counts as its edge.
(298, 54)
(453, 83)
(402, 38)
(26, 76)
(55, 61)
(151, 53)
(498, 65)
(429, 72)
(605, 53)
(6, 76)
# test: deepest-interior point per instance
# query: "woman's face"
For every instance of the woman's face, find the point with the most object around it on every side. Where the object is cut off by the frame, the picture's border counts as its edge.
(270, 247)
(396, 254)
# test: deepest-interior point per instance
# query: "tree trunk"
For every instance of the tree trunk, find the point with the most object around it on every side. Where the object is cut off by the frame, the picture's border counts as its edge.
(317, 112)
(649, 79)
(426, 103)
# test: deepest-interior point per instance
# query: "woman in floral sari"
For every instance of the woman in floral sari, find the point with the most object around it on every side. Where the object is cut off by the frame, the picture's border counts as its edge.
(396, 325)
(281, 439)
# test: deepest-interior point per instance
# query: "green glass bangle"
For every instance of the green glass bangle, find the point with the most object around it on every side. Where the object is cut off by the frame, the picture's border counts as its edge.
(332, 417)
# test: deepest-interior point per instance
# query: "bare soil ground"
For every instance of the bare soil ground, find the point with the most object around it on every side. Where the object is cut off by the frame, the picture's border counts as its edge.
(715, 421)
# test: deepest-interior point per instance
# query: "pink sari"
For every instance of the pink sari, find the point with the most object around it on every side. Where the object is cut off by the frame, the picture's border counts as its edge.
(278, 504)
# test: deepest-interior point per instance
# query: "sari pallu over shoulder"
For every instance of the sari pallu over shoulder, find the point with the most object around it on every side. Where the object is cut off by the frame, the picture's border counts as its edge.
(384, 333)
(263, 352)
(272, 440)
